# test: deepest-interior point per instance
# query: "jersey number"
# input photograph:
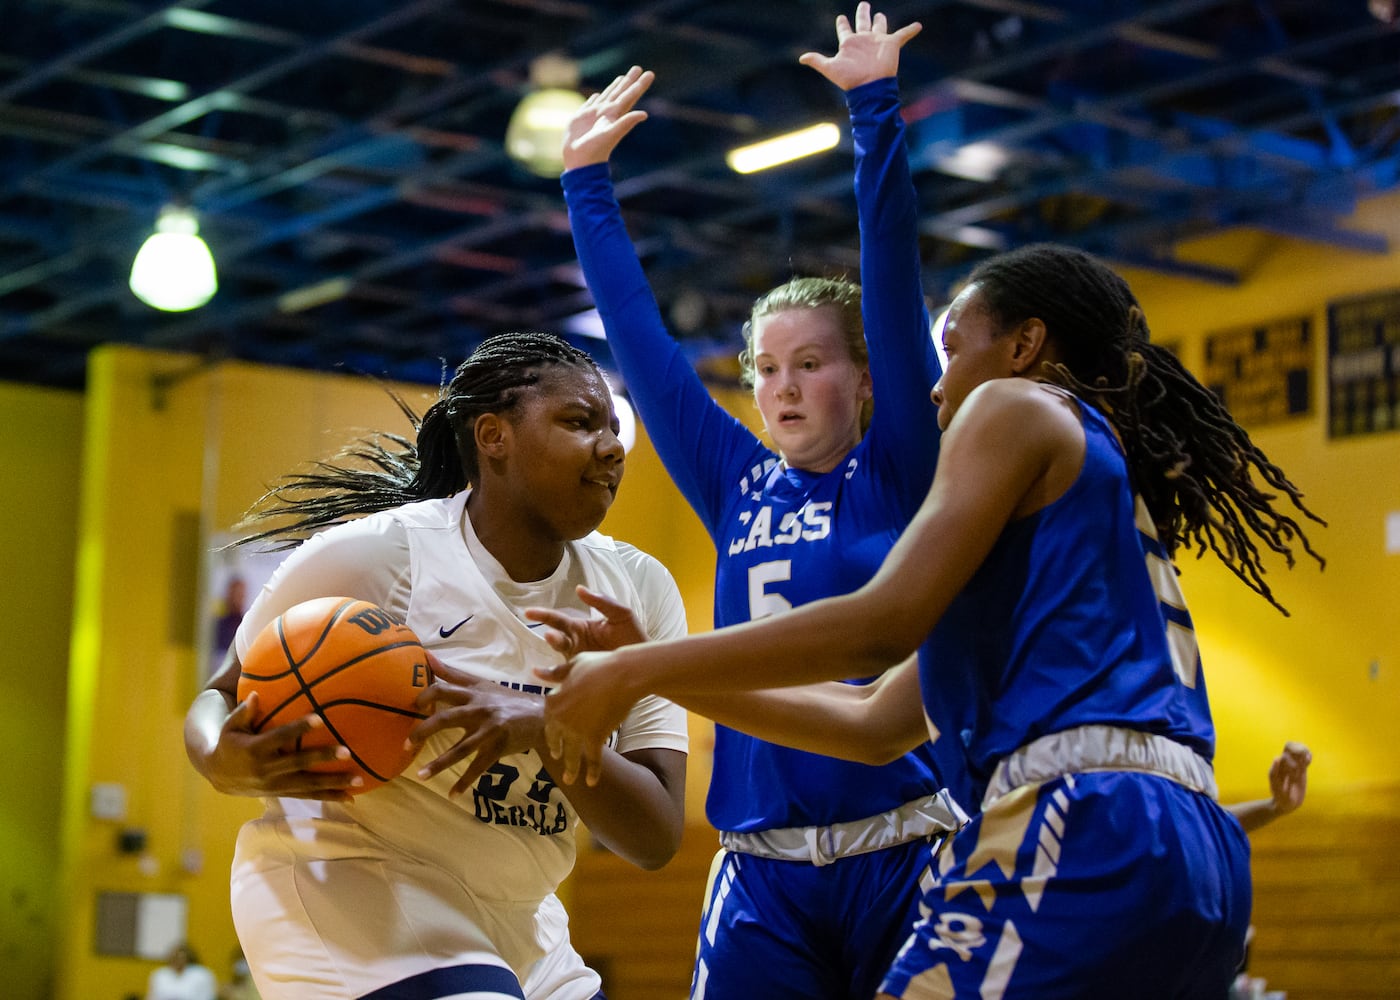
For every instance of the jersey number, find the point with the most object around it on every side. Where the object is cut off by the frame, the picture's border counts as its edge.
(1181, 638)
(762, 601)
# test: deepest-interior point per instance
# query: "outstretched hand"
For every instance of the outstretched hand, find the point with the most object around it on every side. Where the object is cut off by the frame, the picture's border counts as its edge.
(495, 721)
(1288, 777)
(588, 704)
(605, 118)
(869, 51)
(570, 634)
(273, 762)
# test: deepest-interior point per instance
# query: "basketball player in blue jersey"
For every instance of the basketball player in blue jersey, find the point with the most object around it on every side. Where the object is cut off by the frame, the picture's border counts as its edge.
(441, 883)
(815, 884)
(1077, 458)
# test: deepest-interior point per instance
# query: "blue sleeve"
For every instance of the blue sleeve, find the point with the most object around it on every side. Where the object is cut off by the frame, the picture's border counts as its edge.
(704, 448)
(903, 433)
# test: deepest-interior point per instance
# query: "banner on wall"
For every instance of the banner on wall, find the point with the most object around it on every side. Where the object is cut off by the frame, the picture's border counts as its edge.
(1363, 364)
(1263, 373)
(140, 924)
(234, 576)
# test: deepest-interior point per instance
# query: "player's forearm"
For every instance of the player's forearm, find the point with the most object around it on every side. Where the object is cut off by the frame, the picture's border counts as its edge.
(203, 723)
(835, 719)
(1254, 814)
(633, 811)
(828, 640)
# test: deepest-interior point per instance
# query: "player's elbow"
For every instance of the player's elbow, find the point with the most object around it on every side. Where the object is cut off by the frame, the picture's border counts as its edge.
(884, 628)
(880, 749)
(887, 753)
(655, 861)
(655, 851)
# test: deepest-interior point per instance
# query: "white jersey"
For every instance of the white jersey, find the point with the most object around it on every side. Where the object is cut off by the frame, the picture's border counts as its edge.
(193, 982)
(493, 855)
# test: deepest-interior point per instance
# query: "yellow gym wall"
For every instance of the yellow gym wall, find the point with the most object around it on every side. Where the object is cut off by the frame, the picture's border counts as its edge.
(1329, 675)
(43, 465)
(171, 449)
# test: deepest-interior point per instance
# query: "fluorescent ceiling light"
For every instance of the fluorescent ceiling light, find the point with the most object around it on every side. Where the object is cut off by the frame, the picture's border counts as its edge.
(311, 296)
(784, 148)
(977, 161)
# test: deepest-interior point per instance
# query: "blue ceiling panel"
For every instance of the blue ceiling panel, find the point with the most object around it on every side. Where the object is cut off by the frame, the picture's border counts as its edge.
(347, 157)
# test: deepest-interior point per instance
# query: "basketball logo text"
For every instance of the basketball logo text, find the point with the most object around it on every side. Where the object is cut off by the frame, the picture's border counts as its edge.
(373, 620)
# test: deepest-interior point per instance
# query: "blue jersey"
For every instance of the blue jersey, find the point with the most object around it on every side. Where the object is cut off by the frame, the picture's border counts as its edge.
(783, 536)
(1075, 618)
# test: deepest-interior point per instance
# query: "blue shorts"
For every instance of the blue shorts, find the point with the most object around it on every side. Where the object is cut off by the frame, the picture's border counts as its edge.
(790, 930)
(1094, 885)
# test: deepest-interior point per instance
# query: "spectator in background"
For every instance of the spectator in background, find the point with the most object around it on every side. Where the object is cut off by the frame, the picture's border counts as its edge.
(182, 978)
(231, 609)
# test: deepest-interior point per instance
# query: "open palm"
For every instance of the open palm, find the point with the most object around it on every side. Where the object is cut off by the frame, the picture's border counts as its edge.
(605, 118)
(869, 51)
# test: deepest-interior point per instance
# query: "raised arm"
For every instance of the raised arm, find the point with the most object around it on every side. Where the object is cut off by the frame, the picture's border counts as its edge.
(903, 363)
(703, 447)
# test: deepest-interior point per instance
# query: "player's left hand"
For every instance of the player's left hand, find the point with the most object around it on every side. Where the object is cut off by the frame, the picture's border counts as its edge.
(570, 634)
(869, 51)
(495, 721)
(605, 119)
(583, 710)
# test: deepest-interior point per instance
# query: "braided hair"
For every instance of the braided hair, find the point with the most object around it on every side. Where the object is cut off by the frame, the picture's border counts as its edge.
(1195, 468)
(387, 470)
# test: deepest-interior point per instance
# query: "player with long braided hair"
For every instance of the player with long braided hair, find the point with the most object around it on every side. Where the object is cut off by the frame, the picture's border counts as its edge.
(1186, 455)
(440, 461)
(1100, 862)
(441, 883)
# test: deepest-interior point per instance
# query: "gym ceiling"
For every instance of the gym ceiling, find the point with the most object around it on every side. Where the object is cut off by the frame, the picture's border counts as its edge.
(347, 165)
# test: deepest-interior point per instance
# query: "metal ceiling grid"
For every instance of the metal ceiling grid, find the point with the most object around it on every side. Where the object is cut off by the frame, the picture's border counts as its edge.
(346, 157)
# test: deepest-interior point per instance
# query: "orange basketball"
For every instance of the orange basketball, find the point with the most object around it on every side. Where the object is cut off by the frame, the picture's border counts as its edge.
(354, 665)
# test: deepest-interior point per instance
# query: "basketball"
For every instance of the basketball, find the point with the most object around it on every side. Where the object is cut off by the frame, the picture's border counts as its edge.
(354, 665)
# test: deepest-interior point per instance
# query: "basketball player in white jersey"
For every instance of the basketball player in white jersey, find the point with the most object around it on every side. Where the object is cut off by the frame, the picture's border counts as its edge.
(441, 883)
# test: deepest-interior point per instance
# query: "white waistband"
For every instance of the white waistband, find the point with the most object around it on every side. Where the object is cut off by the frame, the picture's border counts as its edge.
(821, 845)
(1100, 748)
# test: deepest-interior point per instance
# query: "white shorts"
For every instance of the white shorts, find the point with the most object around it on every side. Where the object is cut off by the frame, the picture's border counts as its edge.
(360, 918)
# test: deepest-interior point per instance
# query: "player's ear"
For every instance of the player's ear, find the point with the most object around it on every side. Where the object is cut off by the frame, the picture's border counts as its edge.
(1029, 345)
(492, 435)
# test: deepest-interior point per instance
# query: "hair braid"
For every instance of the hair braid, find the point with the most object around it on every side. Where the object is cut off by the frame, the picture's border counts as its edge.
(1194, 466)
(385, 470)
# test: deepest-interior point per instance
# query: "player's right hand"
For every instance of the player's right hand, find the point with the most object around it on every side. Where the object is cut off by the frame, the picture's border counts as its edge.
(1288, 777)
(272, 763)
(605, 118)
